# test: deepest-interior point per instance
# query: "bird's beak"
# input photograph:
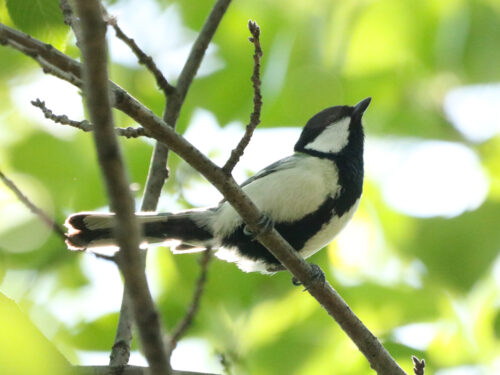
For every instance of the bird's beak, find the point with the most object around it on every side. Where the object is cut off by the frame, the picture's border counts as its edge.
(360, 108)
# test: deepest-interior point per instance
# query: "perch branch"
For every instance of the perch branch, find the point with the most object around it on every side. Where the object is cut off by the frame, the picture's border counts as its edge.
(32, 207)
(96, 89)
(257, 101)
(85, 125)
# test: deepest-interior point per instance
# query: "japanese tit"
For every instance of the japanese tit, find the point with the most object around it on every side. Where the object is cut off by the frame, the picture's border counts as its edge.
(309, 197)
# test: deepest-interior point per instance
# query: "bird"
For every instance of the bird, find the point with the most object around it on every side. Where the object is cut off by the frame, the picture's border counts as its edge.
(308, 197)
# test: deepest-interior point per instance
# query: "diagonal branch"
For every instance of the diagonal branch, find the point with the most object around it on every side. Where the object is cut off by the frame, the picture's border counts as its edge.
(96, 91)
(32, 207)
(257, 101)
(36, 49)
(195, 57)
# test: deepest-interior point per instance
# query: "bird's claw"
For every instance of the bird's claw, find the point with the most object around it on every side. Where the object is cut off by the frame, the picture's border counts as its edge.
(265, 225)
(318, 277)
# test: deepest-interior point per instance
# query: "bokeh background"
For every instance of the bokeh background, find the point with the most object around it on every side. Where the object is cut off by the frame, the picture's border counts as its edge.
(419, 263)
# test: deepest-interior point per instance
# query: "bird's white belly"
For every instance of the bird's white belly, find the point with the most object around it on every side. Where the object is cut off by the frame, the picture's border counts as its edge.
(327, 232)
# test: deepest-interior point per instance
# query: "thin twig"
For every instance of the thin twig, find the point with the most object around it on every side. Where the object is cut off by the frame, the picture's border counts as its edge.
(66, 11)
(185, 323)
(32, 207)
(194, 59)
(86, 126)
(46, 65)
(257, 101)
(18, 39)
(96, 89)
(418, 365)
(142, 57)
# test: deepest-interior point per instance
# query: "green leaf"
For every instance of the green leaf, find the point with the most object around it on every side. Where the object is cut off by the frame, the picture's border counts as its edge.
(76, 177)
(40, 18)
(100, 331)
(496, 324)
(21, 336)
(458, 251)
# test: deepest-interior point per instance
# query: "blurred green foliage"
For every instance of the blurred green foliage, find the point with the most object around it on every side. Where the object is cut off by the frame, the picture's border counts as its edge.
(406, 55)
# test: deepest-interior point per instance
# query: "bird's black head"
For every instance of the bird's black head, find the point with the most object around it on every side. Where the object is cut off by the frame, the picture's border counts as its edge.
(333, 130)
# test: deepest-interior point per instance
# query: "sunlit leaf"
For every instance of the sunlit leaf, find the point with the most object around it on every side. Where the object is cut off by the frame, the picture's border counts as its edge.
(21, 336)
(41, 18)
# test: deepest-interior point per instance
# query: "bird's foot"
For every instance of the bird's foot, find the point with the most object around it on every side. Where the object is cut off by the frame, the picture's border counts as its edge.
(265, 225)
(318, 277)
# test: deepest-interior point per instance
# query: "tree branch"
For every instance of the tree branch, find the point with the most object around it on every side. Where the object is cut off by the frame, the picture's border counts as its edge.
(142, 57)
(257, 101)
(194, 59)
(32, 207)
(84, 125)
(418, 365)
(126, 230)
(69, 18)
(38, 50)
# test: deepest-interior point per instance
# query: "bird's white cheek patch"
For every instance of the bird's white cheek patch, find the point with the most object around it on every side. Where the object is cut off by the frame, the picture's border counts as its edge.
(333, 139)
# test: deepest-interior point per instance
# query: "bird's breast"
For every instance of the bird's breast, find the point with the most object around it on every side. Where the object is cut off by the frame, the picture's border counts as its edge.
(328, 231)
(287, 195)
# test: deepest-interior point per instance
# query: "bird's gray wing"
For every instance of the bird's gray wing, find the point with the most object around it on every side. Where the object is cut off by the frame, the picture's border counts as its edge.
(286, 163)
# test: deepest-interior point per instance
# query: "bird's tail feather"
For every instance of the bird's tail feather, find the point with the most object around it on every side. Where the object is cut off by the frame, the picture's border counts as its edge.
(93, 229)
